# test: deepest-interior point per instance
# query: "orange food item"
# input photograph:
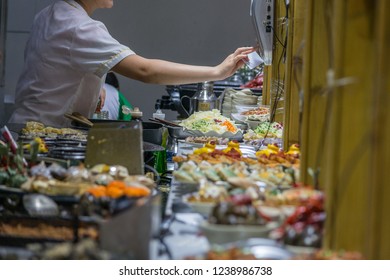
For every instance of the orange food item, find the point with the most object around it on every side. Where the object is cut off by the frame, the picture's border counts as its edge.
(114, 192)
(98, 191)
(117, 184)
(136, 191)
(257, 111)
(116, 189)
(230, 127)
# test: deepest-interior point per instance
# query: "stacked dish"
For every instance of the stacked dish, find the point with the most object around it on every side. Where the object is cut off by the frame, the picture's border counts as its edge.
(234, 100)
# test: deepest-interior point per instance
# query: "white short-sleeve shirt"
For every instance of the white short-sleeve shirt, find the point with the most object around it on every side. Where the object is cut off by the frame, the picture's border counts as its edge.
(111, 103)
(66, 59)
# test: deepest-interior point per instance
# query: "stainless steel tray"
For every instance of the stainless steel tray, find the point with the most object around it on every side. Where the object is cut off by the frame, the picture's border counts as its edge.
(182, 133)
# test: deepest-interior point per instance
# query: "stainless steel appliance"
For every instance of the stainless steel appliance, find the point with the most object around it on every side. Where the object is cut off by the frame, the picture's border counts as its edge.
(204, 99)
(262, 13)
(174, 100)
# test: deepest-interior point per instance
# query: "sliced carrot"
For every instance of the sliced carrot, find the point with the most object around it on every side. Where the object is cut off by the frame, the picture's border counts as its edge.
(117, 184)
(115, 192)
(230, 127)
(136, 191)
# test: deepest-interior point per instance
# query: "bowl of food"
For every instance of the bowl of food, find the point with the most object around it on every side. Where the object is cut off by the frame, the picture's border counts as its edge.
(237, 219)
(213, 124)
(252, 124)
(203, 208)
(205, 199)
(220, 233)
(250, 249)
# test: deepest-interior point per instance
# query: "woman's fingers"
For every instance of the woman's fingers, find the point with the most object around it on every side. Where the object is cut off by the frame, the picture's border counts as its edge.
(244, 50)
(235, 61)
(242, 53)
(242, 56)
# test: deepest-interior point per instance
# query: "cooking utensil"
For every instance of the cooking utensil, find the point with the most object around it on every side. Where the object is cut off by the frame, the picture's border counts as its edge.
(150, 147)
(38, 205)
(78, 118)
(152, 132)
(165, 122)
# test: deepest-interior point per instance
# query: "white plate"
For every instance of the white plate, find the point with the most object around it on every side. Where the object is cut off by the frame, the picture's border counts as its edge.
(301, 250)
(244, 108)
(203, 208)
(183, 133)
(252, 124)
(238, 118)
(220, 234)
(232, 136)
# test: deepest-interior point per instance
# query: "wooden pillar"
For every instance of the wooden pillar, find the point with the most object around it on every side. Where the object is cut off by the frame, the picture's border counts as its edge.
(346, 177)
(316, 62)
(266, 97)
(378, 226)
(293, 81)
(346, 127)
(277, 84)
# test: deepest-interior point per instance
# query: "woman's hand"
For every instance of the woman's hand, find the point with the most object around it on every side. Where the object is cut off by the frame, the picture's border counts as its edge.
(234, 62)
(102, 100)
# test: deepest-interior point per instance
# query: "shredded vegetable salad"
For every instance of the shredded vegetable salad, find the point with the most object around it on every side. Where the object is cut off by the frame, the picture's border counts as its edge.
(275, 130)
(206, 121)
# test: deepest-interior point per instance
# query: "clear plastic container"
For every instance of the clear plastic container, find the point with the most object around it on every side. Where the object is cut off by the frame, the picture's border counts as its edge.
(159, 114)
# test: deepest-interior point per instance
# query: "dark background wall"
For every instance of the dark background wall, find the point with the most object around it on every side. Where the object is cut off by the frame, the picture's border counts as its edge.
(201, 32)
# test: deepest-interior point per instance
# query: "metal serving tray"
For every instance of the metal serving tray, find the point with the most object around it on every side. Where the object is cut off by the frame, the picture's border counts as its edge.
(182, 133)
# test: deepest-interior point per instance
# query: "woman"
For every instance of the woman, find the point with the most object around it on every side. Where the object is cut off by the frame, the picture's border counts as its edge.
(68, 55)
(112, 100)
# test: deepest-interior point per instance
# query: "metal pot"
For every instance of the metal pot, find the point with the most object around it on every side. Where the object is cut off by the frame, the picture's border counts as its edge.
(152, 132)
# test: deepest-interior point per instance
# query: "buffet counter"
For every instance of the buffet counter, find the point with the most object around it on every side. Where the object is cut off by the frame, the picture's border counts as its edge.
(234, 195)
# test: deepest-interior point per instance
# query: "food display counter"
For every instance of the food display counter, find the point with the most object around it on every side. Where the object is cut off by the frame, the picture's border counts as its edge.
(230, 192)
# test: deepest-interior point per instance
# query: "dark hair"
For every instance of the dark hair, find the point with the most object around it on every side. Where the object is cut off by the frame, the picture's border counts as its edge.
(111, 79)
